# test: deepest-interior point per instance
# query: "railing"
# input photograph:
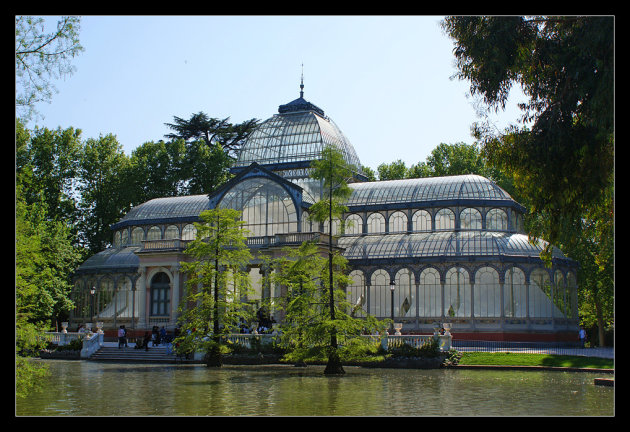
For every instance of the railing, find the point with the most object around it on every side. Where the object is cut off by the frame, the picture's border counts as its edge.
(91, 341)
(91, 344)
(387, 341)
(416, 341)
(289, 239)
(164, 244)
(560, 348)
(60, 338)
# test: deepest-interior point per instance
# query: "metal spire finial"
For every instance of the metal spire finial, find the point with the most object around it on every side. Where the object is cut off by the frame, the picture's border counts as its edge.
(302, 82)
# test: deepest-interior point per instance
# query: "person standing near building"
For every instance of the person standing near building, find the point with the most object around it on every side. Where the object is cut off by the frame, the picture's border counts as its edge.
(121, 337)
(582, 337)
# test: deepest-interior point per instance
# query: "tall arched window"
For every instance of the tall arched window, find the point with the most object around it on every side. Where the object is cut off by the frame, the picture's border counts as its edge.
(572, 296)
(160, 295)
(380, 294)
(487, 293)
(124, 237)
(457, 293)
(356, 293)
(306, 223)
(540, 305)
(266, 206)
(559, 294)
(405, 294)
(430, 293)
(515, 293)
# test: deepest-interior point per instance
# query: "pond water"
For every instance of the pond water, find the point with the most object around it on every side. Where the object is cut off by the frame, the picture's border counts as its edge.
(83, 388)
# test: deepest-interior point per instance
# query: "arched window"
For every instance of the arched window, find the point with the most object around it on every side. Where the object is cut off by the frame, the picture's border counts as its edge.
(172, 232)
(487, 293)
(380, 294)
(266, 206)
(137, 235)
(445, 219)
(356, 294)
(306, 223)
(117, 239)
(515, 294)
(405, 294)
(397, 222)
(160, 295)
(189, 232)
(354, 225)
(496, 220)
(104, 296)
(457, 293)
(559, 294)
(421, 221)
(376, 223)
(430, 293)
(124, 237)
(155, 233)
(540, 305)
(336, 224)
(572, 296)
(470, 219)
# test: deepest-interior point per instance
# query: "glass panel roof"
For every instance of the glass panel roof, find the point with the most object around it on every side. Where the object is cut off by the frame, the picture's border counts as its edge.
(441, 244)
(112, 259)
(170, 207)
(425, 189)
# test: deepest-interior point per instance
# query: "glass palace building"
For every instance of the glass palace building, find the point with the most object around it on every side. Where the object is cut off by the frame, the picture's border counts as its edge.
(452, 249)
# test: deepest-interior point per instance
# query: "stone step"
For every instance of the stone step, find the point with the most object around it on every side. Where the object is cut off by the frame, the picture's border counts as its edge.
(154, 354)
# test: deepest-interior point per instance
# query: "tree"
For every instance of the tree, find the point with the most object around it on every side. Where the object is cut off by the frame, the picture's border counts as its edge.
(157, 170)
(307, 327)
(217, 281)
(333, 172)
(41, 56)
(47, 163)
(565, 65)
(212, 131)
(589, 239)
(44, 260)
(393, 171)
(205, 168)
(104, 193)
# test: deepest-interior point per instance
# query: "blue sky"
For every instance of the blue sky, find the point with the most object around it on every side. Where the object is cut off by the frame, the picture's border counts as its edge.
(384, 80)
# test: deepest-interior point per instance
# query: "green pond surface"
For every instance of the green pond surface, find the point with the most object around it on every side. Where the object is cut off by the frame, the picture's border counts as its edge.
(83, 388)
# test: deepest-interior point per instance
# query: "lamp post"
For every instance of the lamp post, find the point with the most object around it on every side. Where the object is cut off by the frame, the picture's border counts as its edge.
(92, 292)
(392, 287)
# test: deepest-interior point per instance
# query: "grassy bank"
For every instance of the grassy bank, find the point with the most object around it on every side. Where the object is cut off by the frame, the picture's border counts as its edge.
(550, 360)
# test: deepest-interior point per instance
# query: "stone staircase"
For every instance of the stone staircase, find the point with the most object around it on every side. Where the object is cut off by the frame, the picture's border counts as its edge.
(131, 355)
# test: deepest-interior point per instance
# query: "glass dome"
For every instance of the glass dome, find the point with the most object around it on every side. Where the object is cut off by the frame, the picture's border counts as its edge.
(293, 138)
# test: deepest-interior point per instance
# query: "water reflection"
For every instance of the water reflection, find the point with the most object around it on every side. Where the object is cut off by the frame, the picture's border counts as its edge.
(86, 388)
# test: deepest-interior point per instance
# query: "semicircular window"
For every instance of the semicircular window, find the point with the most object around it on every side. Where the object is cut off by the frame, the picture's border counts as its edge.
(266, 207)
